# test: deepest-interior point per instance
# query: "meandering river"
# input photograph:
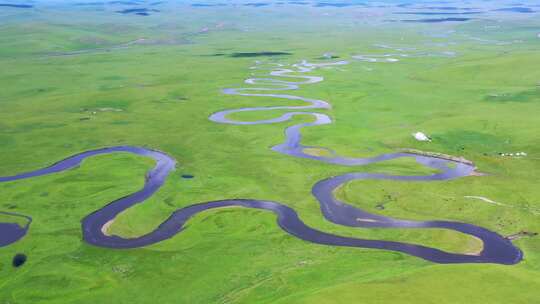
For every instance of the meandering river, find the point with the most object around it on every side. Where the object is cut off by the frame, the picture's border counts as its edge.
(496, 249)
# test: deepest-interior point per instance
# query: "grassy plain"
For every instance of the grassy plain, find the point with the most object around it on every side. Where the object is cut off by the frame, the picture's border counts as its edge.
(63, 69)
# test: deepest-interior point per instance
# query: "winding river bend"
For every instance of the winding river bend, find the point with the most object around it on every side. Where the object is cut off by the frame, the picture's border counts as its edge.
(496, 248)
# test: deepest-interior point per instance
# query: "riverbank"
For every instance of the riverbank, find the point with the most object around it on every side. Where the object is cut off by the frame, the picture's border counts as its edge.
(458, 159)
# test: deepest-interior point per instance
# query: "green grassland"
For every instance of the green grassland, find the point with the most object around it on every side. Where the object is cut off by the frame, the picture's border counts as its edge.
(70, 84)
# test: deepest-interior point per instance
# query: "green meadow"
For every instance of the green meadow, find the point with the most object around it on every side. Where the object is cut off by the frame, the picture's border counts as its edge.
(76, 78)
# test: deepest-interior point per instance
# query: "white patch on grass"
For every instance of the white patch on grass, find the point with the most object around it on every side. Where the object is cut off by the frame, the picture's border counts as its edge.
(421, 136)
(485, 199)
